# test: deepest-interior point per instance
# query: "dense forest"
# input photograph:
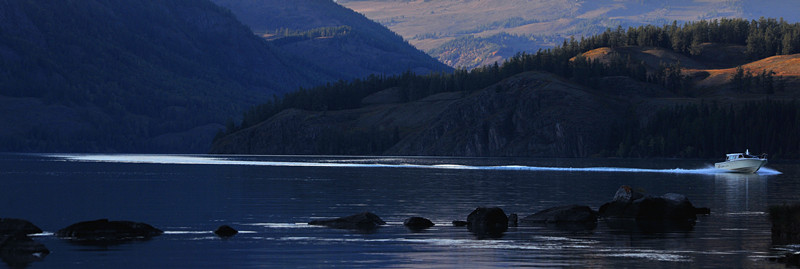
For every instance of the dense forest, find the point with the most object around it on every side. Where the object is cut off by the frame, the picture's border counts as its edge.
(709, 129)
(762, 38)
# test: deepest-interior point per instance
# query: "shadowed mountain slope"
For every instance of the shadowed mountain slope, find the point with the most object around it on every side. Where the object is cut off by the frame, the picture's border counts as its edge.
(133, 76)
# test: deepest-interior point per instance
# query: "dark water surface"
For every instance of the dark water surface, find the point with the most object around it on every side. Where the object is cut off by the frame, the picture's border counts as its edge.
(270, 198)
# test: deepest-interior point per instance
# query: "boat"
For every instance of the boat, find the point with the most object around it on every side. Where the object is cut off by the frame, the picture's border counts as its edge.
(742, 162)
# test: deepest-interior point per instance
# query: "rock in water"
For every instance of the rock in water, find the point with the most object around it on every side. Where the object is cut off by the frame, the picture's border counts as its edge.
(785, 224)
(563, 214)
(667, 212)
(225, 231)
(10, 227)
(487, 221)
(16, 248)
(362, 221)
(103, 230)
(418, 223)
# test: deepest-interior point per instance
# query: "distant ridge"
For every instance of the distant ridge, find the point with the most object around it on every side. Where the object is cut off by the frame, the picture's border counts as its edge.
(362, 48)
(468, 34)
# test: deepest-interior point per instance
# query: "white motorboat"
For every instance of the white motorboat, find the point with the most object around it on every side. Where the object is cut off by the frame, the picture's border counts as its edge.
(742, 162)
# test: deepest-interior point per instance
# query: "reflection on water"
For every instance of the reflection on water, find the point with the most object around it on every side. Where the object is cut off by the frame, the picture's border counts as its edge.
(270, 199)
(741, 192)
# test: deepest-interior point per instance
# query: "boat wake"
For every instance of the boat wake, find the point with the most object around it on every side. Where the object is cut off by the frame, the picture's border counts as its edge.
(207, 160)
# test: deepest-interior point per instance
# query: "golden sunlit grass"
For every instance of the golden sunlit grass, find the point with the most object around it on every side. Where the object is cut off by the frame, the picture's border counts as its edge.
(784, 66)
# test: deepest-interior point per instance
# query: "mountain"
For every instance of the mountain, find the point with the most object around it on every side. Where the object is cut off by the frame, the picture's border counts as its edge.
(465, 33)
(673, 91)
(166, 76)
(135, 76)
(346, 43)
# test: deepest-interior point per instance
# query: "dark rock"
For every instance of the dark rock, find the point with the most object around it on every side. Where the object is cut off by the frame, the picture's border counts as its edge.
(487, 222)
(785, 223)
(667, 212)
(361, 221)
(103, 230)
(21, 251)
(791, 259)
(563, 214)
(11, 227)
(225, 231)
(702, 211)
(16, 248)
(460, 223)
(418, 223)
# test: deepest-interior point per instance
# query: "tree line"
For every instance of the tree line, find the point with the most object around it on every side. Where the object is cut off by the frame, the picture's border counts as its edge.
(708, 129)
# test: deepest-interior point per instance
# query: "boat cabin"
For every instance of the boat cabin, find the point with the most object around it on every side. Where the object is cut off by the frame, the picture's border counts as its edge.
(734, 156)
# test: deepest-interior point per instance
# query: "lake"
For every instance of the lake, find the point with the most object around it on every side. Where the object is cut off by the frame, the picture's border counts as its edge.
(269, 199)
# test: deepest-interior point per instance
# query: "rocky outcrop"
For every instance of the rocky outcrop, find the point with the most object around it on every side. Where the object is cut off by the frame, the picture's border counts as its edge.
(365, 221)
(103, 231)
(487, 222)
(418, 223)
(666, 212)
(16, 248)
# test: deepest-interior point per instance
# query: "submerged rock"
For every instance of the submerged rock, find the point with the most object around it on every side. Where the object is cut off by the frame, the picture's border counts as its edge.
(103, 231)
(361, 221)
(16, 248)
(225, 231)
(487, 222)
(785, 224)
(418, 223)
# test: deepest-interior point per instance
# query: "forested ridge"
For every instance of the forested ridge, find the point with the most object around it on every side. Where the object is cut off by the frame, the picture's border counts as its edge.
(760, 38)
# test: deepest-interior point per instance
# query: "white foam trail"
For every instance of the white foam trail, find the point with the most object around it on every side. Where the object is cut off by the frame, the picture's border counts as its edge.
(203, 232)
(178, 159)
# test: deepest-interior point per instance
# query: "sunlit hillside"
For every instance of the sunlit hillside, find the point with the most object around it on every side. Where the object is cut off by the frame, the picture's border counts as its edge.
(465, 33)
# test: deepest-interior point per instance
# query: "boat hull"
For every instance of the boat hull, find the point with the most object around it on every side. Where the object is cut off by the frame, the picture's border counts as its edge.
(750, 165)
